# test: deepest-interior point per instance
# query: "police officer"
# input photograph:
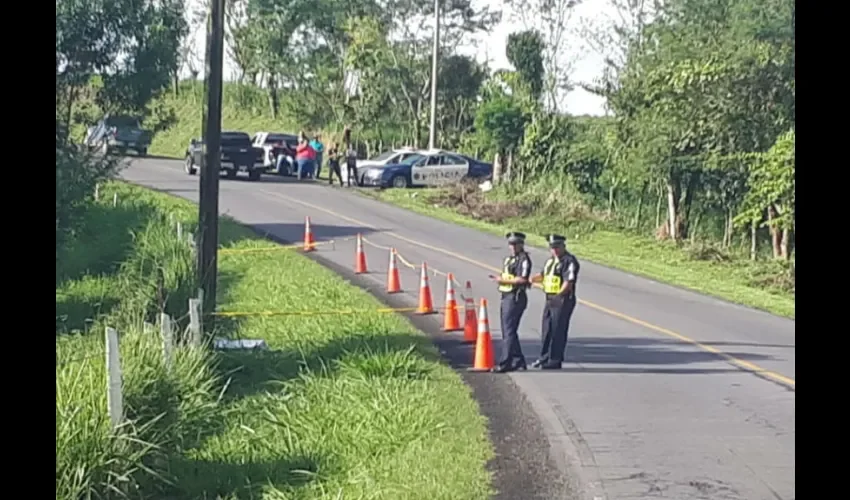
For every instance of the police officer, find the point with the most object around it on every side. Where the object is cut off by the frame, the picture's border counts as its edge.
(514, 284)
(559, 277)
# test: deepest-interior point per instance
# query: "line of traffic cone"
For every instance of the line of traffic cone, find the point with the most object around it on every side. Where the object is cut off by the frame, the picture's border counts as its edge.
(309, 242)
(393, 280)
(451, 322)
(484, 358)
(470, 324)
(360, 257)
(426, 304)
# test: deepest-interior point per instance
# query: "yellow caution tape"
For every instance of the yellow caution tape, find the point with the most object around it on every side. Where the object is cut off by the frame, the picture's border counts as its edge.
(341, 312)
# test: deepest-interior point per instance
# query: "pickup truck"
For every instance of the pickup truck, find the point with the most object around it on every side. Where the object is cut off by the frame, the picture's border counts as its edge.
(237, 155)
(275, 144)
(118, 133)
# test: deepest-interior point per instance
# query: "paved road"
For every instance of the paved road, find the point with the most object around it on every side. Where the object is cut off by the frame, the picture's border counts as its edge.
(666, 393)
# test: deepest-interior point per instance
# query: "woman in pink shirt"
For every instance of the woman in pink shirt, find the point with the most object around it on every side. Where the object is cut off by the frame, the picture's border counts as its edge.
(305, 157)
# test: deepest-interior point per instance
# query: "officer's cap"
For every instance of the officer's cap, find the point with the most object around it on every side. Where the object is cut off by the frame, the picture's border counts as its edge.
(515, 237)
(556, 240)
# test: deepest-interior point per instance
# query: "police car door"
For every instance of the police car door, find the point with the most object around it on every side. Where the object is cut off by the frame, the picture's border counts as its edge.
(424, 172)
(454, 168)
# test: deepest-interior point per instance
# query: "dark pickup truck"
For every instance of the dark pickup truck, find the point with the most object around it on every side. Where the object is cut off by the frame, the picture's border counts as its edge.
(237, 155)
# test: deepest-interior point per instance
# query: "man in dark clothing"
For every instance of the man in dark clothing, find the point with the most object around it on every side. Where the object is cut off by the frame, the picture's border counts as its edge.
(334, 156)
(351, 165)
(559, 277)
(514, 284)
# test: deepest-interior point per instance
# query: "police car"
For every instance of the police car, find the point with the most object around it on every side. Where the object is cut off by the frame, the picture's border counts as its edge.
(433, 167)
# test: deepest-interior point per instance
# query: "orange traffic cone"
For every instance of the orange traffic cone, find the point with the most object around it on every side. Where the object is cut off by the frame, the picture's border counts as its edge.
(309, 242)
(470, 324)
(360, 257)
(426, 305)
(452, 318)
(393, 281)
(484, 344)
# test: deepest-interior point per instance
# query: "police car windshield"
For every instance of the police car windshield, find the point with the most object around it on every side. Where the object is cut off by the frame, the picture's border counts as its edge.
(384, 156)
(412, 159)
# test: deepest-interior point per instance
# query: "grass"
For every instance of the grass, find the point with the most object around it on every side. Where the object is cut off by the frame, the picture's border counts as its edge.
(761, 285)
(340, 406)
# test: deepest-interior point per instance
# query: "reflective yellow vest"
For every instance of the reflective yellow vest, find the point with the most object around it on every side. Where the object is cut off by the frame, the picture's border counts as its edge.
(551, 280)
(506, 275)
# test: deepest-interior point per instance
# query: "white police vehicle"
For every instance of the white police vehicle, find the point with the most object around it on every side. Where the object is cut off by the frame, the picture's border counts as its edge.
(433, 167)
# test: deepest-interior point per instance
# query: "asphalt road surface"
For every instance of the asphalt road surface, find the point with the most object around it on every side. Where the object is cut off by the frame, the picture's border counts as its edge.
(665, 393)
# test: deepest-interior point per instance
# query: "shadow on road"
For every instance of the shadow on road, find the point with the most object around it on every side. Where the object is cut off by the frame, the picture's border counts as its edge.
(623, 355)
(321, 232)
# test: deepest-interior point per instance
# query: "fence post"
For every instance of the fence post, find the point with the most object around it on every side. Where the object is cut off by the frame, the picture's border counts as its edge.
(179, 231)
(115, 200)
(114, 396)
(167, 339)
(97, 192)
(195, 322)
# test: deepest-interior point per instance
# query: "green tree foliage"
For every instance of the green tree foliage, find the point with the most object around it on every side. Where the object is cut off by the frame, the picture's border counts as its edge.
(525, 53)
(112, 56)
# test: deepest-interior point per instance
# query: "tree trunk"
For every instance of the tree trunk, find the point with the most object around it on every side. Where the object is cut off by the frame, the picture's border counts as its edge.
(639, 209)
(692, 231)
(658, 210)
(274, 99)
(775, 234)
(673, 192)
(611, 199)
(754, 241)
(497, 170)
(687, 203)
(509, 167)
(785, 244)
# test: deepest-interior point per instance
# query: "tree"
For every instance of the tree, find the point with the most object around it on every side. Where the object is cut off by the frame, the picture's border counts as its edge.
(525, 52)
(771, 199)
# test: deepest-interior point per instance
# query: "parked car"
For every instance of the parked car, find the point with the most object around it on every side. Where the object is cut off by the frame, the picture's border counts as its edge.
(390, 157)
(425, 168)
(273, 145)
(237, 155)
(121, 133)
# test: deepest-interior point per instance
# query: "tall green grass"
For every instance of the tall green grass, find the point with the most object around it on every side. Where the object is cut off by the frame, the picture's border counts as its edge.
(355, 407)
(125, 263)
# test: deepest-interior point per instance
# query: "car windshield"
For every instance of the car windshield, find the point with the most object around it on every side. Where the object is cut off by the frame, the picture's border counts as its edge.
(413, 159)
(122, 121)
(384, 156)
(280, 138)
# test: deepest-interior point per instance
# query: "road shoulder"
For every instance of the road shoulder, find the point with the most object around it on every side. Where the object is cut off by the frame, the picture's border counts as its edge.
(524, 466)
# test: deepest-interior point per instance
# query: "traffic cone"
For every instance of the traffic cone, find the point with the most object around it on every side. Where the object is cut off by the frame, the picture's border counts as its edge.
(393, 281)
(309, 242)
(360, 257)
(470, 324)
(426, 305)
(451, 322)
(484, 360)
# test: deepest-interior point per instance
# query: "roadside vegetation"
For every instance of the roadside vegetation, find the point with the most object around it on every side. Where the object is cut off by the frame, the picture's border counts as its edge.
(348, 406)
(689, 180)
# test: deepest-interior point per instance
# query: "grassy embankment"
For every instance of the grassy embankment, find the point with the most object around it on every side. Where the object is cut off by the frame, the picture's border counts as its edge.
(764, 285)
(354, 406)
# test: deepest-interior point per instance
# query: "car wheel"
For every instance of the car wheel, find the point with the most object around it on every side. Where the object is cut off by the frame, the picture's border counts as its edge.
(230, 173)
(399, 181)
(143, 152)
(254, 175)
(190, 166)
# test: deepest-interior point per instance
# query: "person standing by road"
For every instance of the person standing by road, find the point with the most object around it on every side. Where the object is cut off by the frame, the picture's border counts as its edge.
(304, 157)
(559, 277)
(334, 156)
(351, 164)
(514, 284)
(319, 148)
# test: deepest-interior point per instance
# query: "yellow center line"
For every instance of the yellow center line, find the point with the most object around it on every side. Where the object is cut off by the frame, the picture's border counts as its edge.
(744, 365)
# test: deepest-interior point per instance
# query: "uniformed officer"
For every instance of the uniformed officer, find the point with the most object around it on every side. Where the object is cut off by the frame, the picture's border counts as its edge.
(514, 284)
(559, 277)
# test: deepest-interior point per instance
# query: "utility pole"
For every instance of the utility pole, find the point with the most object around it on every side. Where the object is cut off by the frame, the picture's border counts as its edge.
(435, 56)
(211, 162)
